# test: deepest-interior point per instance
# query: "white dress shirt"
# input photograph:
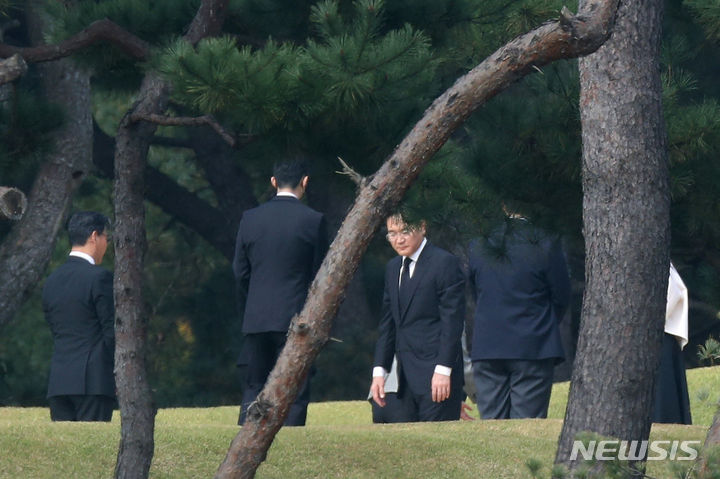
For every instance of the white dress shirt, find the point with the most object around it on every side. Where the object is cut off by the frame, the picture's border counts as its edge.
(82, 255)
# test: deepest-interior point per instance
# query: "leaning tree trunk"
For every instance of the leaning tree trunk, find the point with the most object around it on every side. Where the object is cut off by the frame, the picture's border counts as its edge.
(570, 37)
(133, 140)
(26, 251)
(626, 228)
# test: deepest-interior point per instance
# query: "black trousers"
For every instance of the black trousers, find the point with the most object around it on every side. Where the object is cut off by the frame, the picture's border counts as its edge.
(260, 353)
(513, 388)
(81, 408)
(406, 406)
(672, 401)
(397, 409)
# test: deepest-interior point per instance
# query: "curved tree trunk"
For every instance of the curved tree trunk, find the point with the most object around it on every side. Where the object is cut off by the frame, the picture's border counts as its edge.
(626, 228)
(132, 142)
(571, 37)
(26, 251)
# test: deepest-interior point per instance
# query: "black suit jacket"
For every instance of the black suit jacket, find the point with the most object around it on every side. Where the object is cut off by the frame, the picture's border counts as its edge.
(520, 282)
(280, 246)
(427, 331)
(78, 304)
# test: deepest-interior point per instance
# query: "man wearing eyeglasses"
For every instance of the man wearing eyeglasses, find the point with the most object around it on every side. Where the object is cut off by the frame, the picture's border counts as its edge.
(78, 304)
(422, 322)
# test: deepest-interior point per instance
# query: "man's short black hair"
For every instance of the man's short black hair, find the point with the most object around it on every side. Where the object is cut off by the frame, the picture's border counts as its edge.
(289, 173)
(404, 214)
(81, 225)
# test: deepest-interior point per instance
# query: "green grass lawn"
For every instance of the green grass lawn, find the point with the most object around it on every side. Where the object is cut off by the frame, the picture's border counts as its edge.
(339, 442)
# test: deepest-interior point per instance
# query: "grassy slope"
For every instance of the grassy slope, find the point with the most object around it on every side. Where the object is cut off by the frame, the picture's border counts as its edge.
(339, 442)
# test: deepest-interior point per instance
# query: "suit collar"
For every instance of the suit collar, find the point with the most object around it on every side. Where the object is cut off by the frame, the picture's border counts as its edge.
(284, 198)
(82, 256)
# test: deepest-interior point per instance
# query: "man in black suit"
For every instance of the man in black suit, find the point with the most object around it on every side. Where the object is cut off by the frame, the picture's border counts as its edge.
(78, 304)
(422, 322)
(280, 246)
(520, 284)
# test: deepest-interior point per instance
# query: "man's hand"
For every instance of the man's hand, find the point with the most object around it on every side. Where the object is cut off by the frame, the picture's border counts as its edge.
(377, 388)
(440, 387)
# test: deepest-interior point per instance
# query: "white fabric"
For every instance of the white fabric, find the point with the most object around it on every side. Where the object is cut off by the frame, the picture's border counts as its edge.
(82, 255)
(676, 313)
(414, 257)
(286, 193)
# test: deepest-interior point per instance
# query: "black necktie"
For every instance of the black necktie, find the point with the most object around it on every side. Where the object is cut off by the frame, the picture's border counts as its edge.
(405, 281)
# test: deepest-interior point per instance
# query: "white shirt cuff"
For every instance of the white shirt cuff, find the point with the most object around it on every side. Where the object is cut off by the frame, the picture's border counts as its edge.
(444, 370)
(379, 371)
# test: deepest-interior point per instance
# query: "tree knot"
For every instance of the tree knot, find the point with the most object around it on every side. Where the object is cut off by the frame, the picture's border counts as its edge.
(258, 409)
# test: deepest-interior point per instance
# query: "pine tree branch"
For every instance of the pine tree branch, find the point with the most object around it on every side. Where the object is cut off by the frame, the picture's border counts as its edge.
(100, 30)
(187, 121)
(12, 68)
(356, 177)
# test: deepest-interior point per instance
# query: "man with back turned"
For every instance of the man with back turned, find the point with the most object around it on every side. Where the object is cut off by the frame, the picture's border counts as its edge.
(78, 304)
(280, 246)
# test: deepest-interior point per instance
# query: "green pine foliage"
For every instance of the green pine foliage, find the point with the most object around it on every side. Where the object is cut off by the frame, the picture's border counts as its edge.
(351, 68)
(253, 87)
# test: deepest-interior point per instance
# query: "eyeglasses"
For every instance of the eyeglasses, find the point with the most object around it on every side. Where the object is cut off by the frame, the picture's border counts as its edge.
(393, 235)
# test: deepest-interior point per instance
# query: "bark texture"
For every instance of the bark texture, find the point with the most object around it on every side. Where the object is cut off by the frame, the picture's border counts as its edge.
(572, 36)
(26, 251)
(137, 409)
(626, 211)
(132, 142)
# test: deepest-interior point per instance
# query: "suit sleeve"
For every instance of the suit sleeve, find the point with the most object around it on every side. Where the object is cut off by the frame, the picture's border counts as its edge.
(105, 307)
(558, 278)
(321, 245)
(385, 347)
(241, 268)
(451, 301)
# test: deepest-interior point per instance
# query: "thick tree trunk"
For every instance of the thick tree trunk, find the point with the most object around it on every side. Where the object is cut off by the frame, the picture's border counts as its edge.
(134, 396)
(26, 251)
(572, 36)
(132, 143)
(626, 228)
